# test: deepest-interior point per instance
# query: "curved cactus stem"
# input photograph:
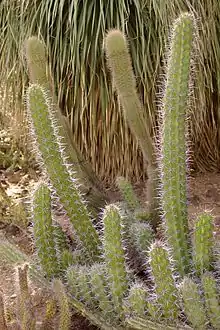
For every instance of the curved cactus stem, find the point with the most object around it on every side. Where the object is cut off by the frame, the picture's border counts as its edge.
(192, 303)
(114, 256)
(173, 150)
(144, 324)
(203, 243)
(165, 288)
(54, 161)
(44, 231)
(211, 299)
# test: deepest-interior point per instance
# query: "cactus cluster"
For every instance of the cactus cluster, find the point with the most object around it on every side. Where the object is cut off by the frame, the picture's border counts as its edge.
(121, 272)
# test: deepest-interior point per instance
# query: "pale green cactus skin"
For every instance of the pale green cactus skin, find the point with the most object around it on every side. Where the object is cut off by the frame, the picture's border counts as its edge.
(44, 231)
(173, 150)
(100, 292)
(63, 182)
(203, 243)
(114, 255)
(64, 306)
(137, 300)
(124, 81)
(128, 193)
(192, 304)
(211, 299)
(165, 288)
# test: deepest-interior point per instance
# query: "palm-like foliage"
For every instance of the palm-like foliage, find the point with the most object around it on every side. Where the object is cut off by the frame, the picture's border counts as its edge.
(73, 32)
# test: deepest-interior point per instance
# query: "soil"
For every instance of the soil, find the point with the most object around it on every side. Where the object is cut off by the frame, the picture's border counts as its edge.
(204, 194)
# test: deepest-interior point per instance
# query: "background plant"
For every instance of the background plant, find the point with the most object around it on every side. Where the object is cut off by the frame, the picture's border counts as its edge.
(82, 79)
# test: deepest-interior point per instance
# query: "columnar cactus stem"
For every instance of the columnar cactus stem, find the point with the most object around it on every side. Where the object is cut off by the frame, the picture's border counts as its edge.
(164, 282)
(123, 79)
(203, 243)
(44, 231)
(128, 193)
(137, 300)
(54, 161)
(211, 299)
(173, 160)
(64, 308)
(114, 255)
(192, 303)
(142, 236)
(100, 291)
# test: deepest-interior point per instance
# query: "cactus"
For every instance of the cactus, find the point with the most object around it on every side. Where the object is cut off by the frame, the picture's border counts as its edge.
(114, 255)
(142, 236)
(123, 79)
(44, 231)
(192, 304)
(139, 323)
(164, 282)
(26, 315)
(100, 291)
(173, 148)
(203, 243)
(3, 324)
(54, 161)
(39, 74)
(51, 309)
(128, 193)
(64, 307)
(137, 300)
(211, 299)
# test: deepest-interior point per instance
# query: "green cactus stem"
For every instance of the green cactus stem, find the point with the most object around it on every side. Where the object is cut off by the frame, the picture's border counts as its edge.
(39, 73)
(100, 291)
(173, 160)
(203, 243)
(139, 323)
(211, 299)
(192, 304)
(44, 231)
(54, 161)
(114, 255)
(137, 300)
(64, 306)
(3, 324)
(142, 235)
(165, 288)
(128, 193)
(123, 79)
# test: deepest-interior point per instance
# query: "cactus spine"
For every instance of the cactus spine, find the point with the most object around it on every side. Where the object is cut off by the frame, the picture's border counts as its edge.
(203, 243)
(164, 282)
(211, 300)
(44, 231)
(114, 256)
(192, 303)
(173, 161)
(50, 149)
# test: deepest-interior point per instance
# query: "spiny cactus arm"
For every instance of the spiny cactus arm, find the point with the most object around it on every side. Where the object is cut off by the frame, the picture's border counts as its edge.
(137, 300)
(100, 292)
(114, 256)
(192, 304)
(64, 305)
(35, 50)
(43, 230)
(173, 158)
(54, 160)
(144, 324)
(128, 193)
(142, 235)
(203, 243)
(123, 78)
(3, 324)
(165, 288)
(211, 299)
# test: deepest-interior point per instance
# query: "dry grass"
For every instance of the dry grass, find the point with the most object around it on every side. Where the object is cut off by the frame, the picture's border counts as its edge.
(73, 32)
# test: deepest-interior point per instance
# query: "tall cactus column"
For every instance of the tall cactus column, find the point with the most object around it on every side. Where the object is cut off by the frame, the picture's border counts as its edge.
(173, 158)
